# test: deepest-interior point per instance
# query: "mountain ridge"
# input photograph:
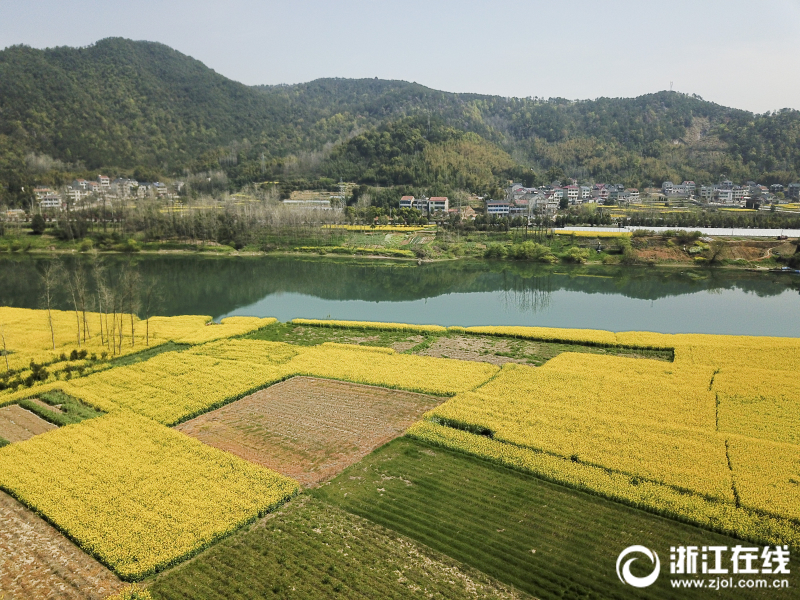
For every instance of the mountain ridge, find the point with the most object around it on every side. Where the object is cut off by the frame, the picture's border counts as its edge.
(134, 106)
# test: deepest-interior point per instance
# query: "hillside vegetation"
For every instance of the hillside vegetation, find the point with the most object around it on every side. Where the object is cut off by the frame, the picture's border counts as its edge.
(143, 109)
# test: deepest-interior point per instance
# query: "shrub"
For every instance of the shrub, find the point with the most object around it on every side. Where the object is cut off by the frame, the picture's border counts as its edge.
(532, 251)
(577, 255)
(495, 251)
(130, 245)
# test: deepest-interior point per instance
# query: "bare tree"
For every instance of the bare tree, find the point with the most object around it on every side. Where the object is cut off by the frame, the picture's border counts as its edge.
(5, 350)
(715, 251)
(131, 282)
(98, 271)
(49, 276)
(149, 295)
(73, 292)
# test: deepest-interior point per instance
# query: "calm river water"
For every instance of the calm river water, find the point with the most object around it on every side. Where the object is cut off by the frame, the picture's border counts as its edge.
(466, 293)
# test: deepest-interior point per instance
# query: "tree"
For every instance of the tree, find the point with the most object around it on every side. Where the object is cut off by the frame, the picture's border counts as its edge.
(563, 204)
(554, 174)
(715, 250)
(49, 276)
(149, 296)
(38, 224)
(5, 350)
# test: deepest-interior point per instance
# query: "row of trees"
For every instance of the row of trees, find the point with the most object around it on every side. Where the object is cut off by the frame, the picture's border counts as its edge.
(115, 295)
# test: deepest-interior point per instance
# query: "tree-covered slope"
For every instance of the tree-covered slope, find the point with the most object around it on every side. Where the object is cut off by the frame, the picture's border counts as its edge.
(123, 106)
(123, 103)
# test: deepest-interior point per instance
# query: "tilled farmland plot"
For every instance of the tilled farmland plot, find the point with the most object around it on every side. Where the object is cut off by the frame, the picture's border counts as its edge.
(36, 561)
(310, 429)
(18, 424)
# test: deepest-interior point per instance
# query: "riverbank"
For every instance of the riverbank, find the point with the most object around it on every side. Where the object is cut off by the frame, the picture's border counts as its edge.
(587, 246)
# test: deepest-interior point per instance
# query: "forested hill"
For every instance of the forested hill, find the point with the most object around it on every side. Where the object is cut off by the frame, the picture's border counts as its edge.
(143, 109)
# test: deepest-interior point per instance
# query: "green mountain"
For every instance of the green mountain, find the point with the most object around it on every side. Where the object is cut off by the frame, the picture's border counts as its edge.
(144, 109)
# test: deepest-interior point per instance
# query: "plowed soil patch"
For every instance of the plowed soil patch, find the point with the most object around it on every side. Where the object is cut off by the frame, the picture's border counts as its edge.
(18, 424)
(310, 429)
(37, 562)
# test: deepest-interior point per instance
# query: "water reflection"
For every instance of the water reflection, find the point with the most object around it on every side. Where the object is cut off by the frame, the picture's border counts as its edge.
(458, 292)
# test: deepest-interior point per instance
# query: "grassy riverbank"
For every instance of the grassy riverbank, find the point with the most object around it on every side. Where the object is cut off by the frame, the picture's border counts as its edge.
(669, 248)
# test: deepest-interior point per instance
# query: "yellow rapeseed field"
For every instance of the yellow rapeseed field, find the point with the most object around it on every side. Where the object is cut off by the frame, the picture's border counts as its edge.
(440, 376)
(135, 494)
(174, 386)
(641, 417)
(760, 403)
(254, 351)
(711, 437)
(398, 228)
(767, 475)
(371, 325)
(550, 334)
(648, 495)
(200, 329)
(593, 234)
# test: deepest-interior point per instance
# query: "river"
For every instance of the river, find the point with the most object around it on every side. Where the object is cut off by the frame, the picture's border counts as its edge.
(669, 300)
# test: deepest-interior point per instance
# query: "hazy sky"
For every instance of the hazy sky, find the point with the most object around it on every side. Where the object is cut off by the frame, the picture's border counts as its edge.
(736, 53)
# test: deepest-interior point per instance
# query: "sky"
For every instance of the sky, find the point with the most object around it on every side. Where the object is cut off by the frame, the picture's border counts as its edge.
(737, 53)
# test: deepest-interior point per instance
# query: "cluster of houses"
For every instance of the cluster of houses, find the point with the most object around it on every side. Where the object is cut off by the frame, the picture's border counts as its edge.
(727, 192)
(103, 188)
(521, 200)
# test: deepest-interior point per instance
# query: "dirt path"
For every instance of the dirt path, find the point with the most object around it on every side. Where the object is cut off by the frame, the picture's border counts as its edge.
(18, 424)
(38, 563)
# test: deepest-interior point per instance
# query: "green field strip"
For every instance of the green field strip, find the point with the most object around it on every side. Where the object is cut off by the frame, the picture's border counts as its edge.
(310, 549)
(492, 518)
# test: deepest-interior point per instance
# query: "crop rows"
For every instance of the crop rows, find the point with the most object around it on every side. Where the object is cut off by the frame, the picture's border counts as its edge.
(547, 540)
(137, 495)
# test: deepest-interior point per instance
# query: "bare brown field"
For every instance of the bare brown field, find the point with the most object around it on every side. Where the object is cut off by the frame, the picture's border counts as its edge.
(18, 424)
(475, 348)
(310, 429)
(38, 563)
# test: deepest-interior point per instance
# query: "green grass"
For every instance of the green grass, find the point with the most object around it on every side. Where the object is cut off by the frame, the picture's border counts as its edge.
(302, 335)
(538, 352)
(72, 410)
(531, 351)
(143, 355)
(4, 442)
(310, 549)
(545, 539)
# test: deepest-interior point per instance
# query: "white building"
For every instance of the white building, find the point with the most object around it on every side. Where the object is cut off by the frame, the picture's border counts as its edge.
(50, 202)
(501, 209)
(572, 193)
(438, 204)
(724, 196)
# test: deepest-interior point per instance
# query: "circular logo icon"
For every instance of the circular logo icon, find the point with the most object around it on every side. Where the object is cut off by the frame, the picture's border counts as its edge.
(625, 575)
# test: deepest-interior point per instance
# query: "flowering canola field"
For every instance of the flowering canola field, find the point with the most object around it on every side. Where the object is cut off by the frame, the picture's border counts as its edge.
(135, 494)
(710, 438)
(26, 334)
(175, 386)
(720, 423)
